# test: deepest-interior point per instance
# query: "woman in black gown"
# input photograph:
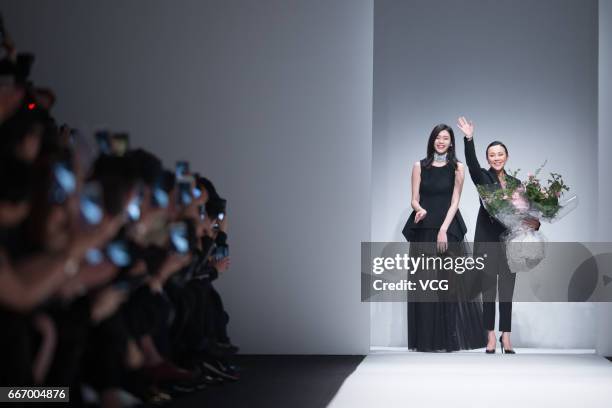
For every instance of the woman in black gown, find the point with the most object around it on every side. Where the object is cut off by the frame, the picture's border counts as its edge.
(488, 239)
(435, 226)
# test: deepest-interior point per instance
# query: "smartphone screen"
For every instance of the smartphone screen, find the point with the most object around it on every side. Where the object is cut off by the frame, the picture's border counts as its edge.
(117, 252)
(160, 197)
(221, 252)
(185, 192)
(90, 203)
(179, 237)
(103, 141)
(94, 256)
(182, 169)
(133, 207)
(64, 183)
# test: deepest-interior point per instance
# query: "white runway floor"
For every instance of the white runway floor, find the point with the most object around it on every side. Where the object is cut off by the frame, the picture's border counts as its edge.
(531, 378)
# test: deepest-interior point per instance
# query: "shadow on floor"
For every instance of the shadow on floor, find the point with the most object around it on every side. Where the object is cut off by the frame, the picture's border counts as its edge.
(278, 381)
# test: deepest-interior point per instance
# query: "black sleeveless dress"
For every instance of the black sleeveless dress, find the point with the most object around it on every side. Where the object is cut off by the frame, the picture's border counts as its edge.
(451, 323)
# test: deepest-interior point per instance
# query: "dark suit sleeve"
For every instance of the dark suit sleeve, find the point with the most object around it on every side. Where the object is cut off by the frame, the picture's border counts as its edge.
(472, 162)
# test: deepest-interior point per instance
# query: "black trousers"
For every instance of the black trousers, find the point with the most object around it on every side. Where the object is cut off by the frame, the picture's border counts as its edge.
(505, 316)
(497, 279)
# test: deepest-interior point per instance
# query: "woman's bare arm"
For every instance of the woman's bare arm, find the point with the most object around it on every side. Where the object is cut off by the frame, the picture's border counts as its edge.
(457, 189)
(416, 184)
(416, 197)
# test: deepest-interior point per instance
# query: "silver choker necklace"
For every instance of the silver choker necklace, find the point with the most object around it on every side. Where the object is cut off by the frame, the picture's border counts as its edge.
(440, 157)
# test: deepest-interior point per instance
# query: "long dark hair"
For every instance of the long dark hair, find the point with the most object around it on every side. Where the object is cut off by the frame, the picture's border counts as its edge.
(431, 149)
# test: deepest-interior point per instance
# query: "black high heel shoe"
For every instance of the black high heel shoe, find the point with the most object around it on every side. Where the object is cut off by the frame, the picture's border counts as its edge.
(507, 351)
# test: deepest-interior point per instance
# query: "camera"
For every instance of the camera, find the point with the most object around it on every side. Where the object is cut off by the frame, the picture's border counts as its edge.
(24, 66)
(215, 207)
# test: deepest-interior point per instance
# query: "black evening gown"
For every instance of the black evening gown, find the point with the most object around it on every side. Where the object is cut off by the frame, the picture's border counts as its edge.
(452, 322)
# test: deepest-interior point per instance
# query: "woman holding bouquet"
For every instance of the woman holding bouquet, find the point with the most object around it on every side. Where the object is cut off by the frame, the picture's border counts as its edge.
(488, 237)
(446, 322)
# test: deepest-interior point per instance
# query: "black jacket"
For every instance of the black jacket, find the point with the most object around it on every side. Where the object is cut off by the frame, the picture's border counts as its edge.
(488, 229)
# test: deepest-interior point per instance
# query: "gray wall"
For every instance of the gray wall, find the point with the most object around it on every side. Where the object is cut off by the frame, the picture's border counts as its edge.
(273, 101)
(526, 73)
(604, 337)
(605, 119)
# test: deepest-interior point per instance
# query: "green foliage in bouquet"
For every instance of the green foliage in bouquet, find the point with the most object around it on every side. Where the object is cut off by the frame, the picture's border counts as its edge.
(545, 199)
(532, 198)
